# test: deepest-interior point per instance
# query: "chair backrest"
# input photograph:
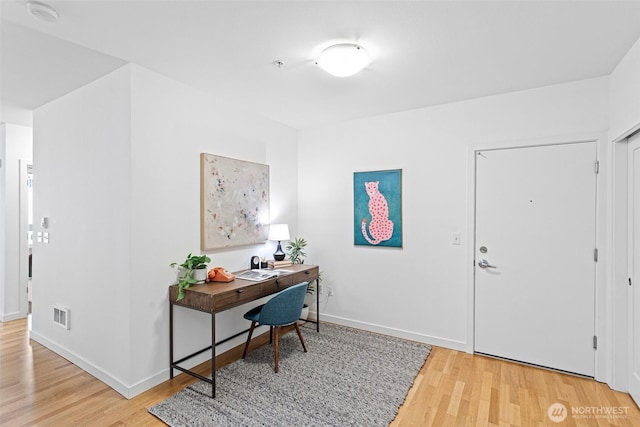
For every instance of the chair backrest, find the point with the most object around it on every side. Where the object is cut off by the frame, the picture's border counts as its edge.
(285, 307)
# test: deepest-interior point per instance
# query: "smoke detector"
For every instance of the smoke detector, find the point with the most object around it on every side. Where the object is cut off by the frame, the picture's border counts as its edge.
(42, 11)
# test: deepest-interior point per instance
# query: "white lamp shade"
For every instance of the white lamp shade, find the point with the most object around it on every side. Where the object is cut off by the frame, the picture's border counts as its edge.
(278, 232)
(343, 60)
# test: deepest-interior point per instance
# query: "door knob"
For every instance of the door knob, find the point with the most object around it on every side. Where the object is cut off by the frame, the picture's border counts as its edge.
(483, 263)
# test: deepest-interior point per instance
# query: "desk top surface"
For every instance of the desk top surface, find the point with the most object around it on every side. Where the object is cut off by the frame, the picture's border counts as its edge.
(218, 296)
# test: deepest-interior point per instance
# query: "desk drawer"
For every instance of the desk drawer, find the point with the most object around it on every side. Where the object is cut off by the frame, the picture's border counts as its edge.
(237, 296)
(306, 276)
(277, 285)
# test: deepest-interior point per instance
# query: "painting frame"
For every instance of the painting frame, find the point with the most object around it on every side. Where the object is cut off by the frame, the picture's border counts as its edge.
(234, 202)
(386, 229)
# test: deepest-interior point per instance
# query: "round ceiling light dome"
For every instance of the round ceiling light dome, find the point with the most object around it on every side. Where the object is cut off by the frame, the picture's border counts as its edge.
(344, 59)
(42, 11)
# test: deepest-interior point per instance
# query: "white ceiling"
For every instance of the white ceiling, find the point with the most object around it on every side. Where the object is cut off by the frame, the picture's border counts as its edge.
(425, 52)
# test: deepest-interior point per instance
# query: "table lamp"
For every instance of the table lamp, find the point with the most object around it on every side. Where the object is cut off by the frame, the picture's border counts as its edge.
(278, 232)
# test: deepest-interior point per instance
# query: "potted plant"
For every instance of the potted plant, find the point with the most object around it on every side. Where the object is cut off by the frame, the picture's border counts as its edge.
(193, 270)
(295, 249)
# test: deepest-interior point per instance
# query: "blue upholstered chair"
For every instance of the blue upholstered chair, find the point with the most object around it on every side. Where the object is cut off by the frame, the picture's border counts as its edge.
(281, 310)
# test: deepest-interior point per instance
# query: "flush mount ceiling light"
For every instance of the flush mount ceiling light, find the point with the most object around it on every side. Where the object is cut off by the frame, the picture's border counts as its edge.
(343, 60)
(42, 11)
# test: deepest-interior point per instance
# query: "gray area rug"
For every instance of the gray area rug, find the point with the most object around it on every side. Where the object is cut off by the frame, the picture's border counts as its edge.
(349, 377)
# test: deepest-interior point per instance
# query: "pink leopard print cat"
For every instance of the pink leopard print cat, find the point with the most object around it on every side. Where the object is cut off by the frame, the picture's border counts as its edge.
(380, 228)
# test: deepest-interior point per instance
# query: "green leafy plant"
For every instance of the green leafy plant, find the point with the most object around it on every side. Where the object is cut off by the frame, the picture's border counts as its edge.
(195, 262)
(185, 271)
(295, 250)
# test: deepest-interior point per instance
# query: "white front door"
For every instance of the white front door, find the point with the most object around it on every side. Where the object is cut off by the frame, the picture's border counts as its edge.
(534, 255)
(634, 263)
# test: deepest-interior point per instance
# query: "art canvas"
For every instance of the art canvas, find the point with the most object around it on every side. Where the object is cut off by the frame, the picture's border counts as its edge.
(377, 208)
(234, 199)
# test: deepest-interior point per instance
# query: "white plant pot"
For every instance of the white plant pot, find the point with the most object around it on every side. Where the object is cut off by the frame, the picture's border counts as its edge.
(200, 275)
(310, 299)
(305, 312)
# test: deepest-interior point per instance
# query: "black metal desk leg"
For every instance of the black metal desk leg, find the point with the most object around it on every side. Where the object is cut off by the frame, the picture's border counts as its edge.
(213, 355)
(170, 340)
(318, 305)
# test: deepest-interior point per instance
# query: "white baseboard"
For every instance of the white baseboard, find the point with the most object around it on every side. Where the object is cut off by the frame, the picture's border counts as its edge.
(11, 316)
(83, 364)
(146, 384)
(399, 333)
(129, 391)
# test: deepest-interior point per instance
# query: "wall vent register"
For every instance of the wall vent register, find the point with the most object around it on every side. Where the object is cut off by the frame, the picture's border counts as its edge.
(61, 316)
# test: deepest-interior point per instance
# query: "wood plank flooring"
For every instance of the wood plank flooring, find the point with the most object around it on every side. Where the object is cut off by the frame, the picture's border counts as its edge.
(38, 387)
(461, 389)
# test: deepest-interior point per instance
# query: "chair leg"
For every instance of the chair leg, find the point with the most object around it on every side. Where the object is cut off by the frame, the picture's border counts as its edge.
(300, 336)
(276, 345)
(246, 346)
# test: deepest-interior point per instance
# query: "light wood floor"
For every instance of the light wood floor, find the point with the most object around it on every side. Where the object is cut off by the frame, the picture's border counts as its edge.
(38, 387)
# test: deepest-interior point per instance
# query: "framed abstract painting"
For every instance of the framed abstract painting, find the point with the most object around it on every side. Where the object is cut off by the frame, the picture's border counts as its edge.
(377, 208)
(234, 202)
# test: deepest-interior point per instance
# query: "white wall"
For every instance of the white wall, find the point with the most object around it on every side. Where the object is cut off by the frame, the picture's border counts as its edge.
(15, 145)
(421, 291)
(119, 165)
(81, 183)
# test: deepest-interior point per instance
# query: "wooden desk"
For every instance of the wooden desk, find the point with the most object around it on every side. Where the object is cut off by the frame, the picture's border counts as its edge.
(215, 297)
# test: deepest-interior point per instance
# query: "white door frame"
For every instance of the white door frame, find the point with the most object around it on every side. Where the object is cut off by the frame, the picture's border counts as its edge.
(617, 227)
(23, 246)
(601, 327)
(633, 274)
(618, 260)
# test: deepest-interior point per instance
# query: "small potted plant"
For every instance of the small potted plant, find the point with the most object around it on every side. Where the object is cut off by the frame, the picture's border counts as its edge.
(295, 250)
(193, 270)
